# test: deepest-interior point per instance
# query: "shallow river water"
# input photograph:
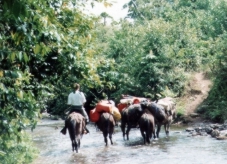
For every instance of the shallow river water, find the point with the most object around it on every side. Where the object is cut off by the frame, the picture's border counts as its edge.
(178, 148)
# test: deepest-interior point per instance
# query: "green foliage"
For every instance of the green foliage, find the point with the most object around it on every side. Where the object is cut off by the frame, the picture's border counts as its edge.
(46, 46)
(216, 101)
(19, 149)
(166, 40)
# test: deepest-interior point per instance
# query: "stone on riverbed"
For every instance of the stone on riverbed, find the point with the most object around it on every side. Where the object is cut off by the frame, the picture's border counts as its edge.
(208, 130)
(215, 133)
(215, 126)
(223, 133)
(221, 138)
(190, 129)
(216, 130)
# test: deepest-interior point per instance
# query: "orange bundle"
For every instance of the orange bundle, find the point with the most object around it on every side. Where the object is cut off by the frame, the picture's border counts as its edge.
(137, 100)
(94, 115)
(104, 106)
(121, 106)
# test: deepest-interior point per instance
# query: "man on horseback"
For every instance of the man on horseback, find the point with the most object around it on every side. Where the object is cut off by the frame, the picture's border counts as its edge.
(76, 101)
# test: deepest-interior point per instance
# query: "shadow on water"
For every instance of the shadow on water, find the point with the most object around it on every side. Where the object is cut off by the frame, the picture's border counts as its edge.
(55, 148)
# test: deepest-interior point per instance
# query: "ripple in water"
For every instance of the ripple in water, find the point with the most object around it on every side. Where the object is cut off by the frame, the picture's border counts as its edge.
(55, 148)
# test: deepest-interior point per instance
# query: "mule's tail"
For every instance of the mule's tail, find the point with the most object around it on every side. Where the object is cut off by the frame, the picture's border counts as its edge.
(72, 127)
(72, 134)
(107, 123)
(148, 128)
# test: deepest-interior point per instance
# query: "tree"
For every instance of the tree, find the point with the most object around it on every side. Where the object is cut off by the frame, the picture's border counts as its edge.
(104, 15)
(45, 46)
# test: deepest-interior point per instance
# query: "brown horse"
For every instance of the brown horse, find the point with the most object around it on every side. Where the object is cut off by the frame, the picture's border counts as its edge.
(75, 123)
(106, 124)
(161, 116)
(147, 126)
(130, 116)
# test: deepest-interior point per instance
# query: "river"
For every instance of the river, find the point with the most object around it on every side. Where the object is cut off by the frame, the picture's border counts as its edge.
(178, 148)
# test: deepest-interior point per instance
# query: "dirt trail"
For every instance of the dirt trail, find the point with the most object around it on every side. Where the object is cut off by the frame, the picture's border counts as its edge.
(198, 92)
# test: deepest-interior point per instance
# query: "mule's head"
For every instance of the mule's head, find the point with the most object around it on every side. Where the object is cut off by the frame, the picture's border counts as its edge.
(144, 104)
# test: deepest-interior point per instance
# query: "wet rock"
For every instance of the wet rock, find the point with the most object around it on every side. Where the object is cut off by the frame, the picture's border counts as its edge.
(198, 129)
(215, 126)
(215, 130)
(221, 138)
(187, 119)
(208, 130)
(215, 133)
(223, 127)
(195, 134)
(223, 133)
(194, 115)
(189, 129)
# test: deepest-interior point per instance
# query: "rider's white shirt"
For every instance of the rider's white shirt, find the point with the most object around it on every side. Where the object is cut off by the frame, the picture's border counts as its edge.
(76, 98)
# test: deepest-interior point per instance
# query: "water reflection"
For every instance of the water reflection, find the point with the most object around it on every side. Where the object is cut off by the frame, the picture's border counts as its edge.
(55, 148)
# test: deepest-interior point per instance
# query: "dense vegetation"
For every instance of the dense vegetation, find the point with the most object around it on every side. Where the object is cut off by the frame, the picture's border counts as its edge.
(47, 45)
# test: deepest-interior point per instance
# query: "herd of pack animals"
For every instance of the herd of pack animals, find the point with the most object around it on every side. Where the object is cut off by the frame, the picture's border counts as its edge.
(147, 115)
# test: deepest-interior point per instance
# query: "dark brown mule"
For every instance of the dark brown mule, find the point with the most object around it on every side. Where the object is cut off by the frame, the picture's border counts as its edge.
(106, 124)
(147, 126)
(160, 115)
(130, 116)
(75, 123)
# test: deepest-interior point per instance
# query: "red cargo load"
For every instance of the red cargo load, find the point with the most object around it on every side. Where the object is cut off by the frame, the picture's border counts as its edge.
(94, 115)
(121, 106)
(104, 106)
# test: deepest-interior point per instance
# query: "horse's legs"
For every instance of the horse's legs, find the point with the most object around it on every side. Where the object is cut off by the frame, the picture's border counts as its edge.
(143, 135)
(73, 145)
(148, 131)
(105, 137)
(148, 136)
(75, 141)
(72, 137)
(110, 137)
(158, 130)
(78, 143)
(128, 129)
(153, 131)
(111, 141)
(76, 146)
(110, 134)
(167, 129)
(123, 128)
